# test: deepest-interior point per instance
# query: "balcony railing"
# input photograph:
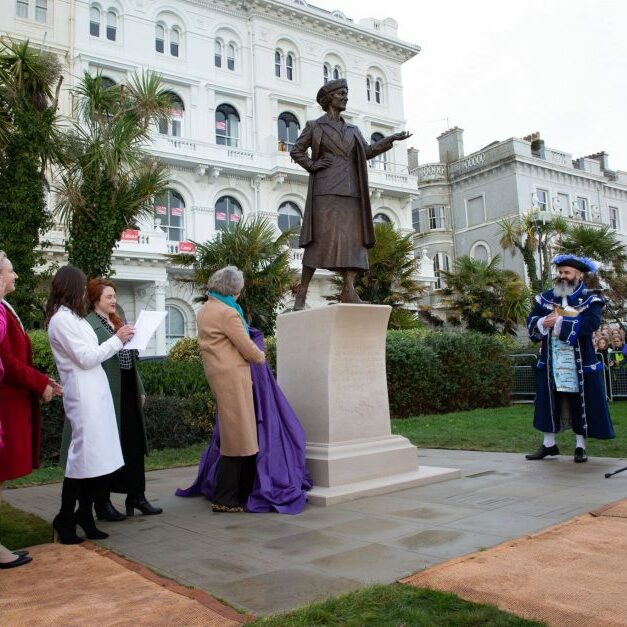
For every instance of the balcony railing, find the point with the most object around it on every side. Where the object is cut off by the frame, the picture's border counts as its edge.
(430, 172)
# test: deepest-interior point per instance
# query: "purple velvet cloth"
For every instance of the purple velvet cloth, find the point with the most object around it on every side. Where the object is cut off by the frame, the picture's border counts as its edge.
(282, 480)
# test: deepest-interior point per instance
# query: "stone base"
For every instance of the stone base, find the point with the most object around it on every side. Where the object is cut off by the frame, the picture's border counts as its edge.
(383, 485)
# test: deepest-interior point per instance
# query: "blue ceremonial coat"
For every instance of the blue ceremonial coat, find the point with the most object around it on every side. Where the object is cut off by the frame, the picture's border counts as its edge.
(577, 331)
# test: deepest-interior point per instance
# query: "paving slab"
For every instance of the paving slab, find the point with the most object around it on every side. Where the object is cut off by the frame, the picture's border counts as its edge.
(264, 563)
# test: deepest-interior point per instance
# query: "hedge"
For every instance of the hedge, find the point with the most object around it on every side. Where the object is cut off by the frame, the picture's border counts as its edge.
(427, 372)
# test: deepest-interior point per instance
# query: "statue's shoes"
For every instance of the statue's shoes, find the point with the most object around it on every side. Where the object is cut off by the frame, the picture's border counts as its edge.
(543, 451)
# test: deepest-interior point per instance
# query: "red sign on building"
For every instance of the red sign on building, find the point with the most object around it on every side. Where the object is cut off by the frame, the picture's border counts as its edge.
(130, 235)
(187, 247)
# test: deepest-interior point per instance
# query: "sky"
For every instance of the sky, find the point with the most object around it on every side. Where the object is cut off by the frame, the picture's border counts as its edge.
(501, 69)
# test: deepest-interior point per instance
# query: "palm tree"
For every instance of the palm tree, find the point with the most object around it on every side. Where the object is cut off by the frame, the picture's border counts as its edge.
(485, 297)
(30, 141)
(110, 182)
(262, 255)
(391, 278)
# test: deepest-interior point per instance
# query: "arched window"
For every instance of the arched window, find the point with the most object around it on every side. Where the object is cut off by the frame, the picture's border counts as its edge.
(289, 128)
(368, 89)
(480, 252)
(107, 82)
(289, 66)
(441, 263)
(277, 63)
(218, 53)
(381, 218)
(290, 218)
(170, 210)
(380, 161)
(227, 125)
(377, 91)
(228, 213)
(174, 125)
(175, 42)
(174, 326)
(94, 21)
(337, 72)
(230, 57)
(112, 25)
(159, 38)
(326, 72)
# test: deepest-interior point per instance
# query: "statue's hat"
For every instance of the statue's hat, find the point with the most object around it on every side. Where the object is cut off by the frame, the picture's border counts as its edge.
(331, 86)
(583, 264)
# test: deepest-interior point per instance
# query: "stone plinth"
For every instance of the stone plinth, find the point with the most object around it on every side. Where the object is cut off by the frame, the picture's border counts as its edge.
(331, 367)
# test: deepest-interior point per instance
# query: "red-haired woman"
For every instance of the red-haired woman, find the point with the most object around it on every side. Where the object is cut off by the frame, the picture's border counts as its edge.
(94, 452)
(128, 395)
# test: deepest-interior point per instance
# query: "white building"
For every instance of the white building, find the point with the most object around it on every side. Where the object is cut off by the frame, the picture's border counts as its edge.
(244, 74)
(463, 197)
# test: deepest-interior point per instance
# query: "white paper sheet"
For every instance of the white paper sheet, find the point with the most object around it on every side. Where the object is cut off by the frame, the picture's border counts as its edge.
(146, 325)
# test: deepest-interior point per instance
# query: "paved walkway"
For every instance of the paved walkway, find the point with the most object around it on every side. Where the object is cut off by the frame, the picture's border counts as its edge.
(265, 563)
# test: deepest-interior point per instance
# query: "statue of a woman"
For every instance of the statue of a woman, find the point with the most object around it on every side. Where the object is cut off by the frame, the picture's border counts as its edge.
(337, 227)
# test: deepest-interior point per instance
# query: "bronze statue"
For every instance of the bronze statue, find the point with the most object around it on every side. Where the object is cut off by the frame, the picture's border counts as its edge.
(337, 227)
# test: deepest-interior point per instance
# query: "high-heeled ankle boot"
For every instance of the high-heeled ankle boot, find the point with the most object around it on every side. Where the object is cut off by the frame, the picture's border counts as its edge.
(139, 501)
(106, 511)
(64, 530)
(85, 519)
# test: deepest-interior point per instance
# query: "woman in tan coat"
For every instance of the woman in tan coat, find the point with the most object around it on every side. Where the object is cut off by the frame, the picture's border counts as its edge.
(226, 351)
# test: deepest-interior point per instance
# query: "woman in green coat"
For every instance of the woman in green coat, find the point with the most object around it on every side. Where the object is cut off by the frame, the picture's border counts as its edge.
(128, 395)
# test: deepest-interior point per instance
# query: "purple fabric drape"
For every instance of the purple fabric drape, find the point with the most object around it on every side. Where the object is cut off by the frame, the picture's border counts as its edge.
(282, 479)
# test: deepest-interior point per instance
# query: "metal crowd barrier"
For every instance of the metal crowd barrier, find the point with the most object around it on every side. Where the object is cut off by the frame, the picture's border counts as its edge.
(617, 381)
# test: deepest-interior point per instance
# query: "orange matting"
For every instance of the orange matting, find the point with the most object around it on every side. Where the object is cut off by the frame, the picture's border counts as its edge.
(572, 574)
(85, 584)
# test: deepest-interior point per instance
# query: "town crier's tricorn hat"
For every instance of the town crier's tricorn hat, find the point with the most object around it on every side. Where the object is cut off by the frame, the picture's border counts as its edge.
(328, 88)
(583, 264)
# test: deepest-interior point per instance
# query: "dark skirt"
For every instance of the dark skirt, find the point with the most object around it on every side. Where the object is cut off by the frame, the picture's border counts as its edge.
(337, 234)
(130, 479)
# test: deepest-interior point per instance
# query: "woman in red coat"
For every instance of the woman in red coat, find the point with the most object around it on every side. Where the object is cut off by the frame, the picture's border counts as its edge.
(20, 389)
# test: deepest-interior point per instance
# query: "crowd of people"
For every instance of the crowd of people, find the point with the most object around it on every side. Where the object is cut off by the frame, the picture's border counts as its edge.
(609, 341)
(255, 461)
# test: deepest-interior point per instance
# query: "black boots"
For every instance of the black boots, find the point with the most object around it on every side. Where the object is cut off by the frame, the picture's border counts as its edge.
(64, 529)
(543, 451)
(139, 501)
(85, 519)
(106, 511)
(580, 455)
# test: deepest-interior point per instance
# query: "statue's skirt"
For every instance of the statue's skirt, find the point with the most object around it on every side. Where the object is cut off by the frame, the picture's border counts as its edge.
(337, 242)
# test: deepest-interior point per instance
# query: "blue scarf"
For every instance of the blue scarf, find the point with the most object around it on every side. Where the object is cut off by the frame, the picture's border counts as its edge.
(231, 302)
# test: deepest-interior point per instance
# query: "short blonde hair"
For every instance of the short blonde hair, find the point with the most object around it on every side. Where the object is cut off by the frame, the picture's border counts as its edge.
(228, 281)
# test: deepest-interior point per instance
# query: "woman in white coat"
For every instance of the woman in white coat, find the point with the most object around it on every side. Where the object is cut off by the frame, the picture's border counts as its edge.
(95, 450)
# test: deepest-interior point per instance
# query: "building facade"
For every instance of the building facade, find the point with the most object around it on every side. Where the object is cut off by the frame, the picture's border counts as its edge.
(463, 197)
(243, 75)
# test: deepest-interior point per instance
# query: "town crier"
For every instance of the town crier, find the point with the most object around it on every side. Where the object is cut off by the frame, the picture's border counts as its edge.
(570, 391)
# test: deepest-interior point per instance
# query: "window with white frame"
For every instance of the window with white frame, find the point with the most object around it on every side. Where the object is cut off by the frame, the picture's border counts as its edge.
(326, 72)
(284, 64)
(225, 54)
(41, 11)
(175, 42)
(170, 211)
(563, 203)
(230, 57)
(112, 25)
(381, 218)
(217, 54)
(613, 217)
(437, 217)
(480, 252)
(227, 125)
(168, 38)
(174, 124)
(380, 161)
(368, 88)
(290, 217)
(228, 213)
(542, 199)
(580, 208)
(174, 326)
(441, 264)
(288, 131)
(94, 21)
(278, 63)
(337, 72)
(378, 90)
(415, 219)
(21, 8)
(289, 66)
(160, 38)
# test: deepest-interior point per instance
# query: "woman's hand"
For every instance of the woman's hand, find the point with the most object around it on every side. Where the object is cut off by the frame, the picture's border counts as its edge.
(322, 163)
(125, 333)
(48, 394)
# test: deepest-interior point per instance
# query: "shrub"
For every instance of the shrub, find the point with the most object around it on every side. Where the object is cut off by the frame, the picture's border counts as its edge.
(186, 349)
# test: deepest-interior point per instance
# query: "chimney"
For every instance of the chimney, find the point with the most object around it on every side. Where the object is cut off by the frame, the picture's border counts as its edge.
(412, 159)
(602, 158)
(451, 144)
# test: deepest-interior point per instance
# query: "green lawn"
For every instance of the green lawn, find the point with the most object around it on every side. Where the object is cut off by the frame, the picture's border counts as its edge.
(19, 529)
(506, 429)
(394, 605)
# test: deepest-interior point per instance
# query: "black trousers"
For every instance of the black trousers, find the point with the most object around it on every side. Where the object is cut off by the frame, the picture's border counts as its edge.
(570, 411)
(234, 481)
(85, 491)
(131, 478)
